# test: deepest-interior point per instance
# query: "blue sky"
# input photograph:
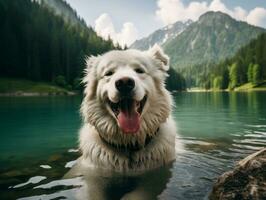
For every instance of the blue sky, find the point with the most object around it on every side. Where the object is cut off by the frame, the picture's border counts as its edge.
(127, 20)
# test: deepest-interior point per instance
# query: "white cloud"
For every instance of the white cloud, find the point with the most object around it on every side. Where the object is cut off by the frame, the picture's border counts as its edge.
(170, 11)
(104, 27)
(257, 16)
(128, 34)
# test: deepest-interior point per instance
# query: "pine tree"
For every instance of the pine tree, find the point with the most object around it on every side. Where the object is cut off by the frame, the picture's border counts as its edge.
(256, 74)
(217, 82)
(250, 73)
(225, 79)
(233, 75)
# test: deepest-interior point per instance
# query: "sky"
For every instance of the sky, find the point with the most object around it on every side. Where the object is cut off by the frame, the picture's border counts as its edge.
(127, 20)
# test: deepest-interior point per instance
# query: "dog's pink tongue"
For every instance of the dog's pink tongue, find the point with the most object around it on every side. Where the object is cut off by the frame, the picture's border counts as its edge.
(129, 121)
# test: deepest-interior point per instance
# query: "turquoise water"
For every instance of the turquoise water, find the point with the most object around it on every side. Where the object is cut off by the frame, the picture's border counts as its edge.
(217, 130)
(33, 128)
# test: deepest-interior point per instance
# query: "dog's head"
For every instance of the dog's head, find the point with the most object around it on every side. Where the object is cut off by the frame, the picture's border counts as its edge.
(125, 98)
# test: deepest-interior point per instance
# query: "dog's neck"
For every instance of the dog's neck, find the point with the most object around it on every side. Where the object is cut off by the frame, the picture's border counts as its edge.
(130, 147)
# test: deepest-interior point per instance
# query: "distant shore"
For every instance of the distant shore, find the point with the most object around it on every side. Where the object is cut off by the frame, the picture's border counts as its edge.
(26, 88)
(19, 87)
(32, 94)
(248, 87)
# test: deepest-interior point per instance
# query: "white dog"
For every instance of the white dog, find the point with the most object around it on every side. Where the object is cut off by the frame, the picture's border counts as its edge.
(127, 112)
(128, 136)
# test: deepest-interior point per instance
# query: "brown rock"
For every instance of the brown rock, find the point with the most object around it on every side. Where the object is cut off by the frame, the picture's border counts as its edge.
(247, 181)
(54, 158)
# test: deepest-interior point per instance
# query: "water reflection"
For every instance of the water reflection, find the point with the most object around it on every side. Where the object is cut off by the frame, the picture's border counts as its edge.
(104, 184)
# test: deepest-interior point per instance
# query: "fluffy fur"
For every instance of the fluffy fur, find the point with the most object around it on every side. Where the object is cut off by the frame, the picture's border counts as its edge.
(100, 123)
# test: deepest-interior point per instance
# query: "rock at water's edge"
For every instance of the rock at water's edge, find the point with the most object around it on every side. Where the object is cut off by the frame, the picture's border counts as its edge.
(247, 181)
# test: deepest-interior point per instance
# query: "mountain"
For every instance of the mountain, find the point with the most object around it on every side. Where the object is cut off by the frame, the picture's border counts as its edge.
(214, 37)
(161, 36)
(62, 8)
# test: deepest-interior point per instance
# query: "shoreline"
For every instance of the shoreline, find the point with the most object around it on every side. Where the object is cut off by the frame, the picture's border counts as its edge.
(73, 93)
(247, 87)
(227, 90)
(27, 88)
(37, 94)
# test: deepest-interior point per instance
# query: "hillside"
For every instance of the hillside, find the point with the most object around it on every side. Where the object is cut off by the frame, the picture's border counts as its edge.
(214, 37)
(245, 70)
(20, 87)
(62, 8)
(46, 41)
(37, 44)
(161, 36)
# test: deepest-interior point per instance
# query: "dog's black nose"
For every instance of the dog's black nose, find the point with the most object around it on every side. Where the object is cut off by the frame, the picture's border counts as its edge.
(125, 85)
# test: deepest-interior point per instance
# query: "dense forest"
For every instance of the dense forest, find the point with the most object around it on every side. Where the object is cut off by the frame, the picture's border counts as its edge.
(175, 81)
(45, 40)
(248, 65)
(63, 9)
(37, 44)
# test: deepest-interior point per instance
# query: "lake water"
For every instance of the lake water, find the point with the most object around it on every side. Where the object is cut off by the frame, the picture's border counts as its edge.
(38, 142)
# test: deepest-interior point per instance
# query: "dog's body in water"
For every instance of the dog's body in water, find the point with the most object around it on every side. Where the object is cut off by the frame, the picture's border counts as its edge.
(126, 112)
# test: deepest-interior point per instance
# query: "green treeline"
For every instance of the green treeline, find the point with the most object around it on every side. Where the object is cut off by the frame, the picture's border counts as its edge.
(248, 65)
(37, 44)
(45, 40)
(175, 81)
(63, 9)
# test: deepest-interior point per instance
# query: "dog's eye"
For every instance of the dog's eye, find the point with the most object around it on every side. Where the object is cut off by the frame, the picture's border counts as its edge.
(139, 71)
(109, 73)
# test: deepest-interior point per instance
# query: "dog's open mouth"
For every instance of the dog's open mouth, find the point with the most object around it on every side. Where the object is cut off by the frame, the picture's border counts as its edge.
(128, 112)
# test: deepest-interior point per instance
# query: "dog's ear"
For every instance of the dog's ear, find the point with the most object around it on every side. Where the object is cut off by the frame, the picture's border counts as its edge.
(157, 53)
(90, 79)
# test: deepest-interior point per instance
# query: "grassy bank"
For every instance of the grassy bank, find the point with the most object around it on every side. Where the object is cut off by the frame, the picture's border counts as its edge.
(20, 87)
(198, 89)
(248, 87)
(251, 87)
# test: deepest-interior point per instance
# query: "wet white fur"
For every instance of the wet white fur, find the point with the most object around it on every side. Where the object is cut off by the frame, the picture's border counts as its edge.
(98, 119)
